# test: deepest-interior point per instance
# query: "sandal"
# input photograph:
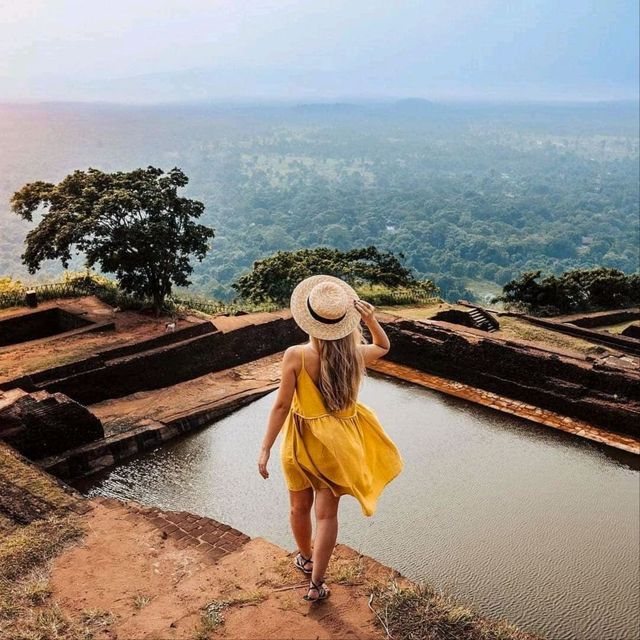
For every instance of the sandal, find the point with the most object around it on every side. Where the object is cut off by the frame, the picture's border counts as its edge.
(300, 563)
(323, 592)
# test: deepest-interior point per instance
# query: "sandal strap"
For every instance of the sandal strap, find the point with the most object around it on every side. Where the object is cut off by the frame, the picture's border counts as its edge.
(304, 560)
(319, 587)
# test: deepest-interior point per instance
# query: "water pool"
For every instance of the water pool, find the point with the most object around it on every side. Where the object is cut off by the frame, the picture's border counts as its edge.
(528, 523)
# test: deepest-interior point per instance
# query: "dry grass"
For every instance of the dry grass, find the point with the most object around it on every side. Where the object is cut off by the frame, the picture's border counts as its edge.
(420, 311)
(347, 572)
(617, 328)
(27, 612)
(29, 546)
(140, 601)
(520, 329)
(15, 472)
(287, 572)
(212, 616)
(421, 613)
(26, 609)
(510, 327)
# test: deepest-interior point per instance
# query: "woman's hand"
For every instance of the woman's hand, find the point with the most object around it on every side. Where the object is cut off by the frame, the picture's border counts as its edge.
(366, 310)
(262, 462)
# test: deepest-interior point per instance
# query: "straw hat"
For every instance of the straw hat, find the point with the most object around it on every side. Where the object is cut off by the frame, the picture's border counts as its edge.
(322, 306)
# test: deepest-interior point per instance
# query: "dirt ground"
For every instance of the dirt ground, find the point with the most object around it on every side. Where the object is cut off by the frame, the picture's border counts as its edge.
(153, 589)
(20, 359)
(512, 328)
(189, 396)
(130, 326)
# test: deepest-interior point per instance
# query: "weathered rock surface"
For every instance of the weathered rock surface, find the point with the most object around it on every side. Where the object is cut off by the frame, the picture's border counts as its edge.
(41, 424)
(28, 494)
(601, 395)
(632, 331)
(143, 367)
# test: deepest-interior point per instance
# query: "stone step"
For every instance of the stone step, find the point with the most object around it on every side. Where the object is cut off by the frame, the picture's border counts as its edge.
(212, 538)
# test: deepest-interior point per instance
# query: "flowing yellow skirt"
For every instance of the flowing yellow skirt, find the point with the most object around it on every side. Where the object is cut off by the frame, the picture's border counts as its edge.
(349, 455)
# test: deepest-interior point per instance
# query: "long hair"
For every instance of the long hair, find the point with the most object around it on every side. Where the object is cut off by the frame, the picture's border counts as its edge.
(341, 369)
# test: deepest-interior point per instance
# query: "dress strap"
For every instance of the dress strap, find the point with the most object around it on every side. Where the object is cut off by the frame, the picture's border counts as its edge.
(302, 350)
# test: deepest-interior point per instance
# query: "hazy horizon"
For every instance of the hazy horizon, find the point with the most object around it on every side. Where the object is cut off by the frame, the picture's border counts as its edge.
(285, 51)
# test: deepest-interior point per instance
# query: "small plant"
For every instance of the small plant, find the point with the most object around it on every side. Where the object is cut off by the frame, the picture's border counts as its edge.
(141, 601)
(211, 618)
(212, 615)
(94, 619)
(51, 622)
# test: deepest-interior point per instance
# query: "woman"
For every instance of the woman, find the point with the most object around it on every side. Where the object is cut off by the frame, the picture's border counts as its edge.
(332, 444)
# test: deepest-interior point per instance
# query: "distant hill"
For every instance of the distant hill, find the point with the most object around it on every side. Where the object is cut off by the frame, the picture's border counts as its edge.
(418, 106)
(333, 109)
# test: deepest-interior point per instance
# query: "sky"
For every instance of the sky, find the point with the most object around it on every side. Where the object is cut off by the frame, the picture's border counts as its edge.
(182, 50)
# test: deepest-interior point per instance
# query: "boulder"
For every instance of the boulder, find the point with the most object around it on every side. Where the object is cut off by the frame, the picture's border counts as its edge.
(41, 424)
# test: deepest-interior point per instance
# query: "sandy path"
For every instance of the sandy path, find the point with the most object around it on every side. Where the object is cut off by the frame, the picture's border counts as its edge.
(155, 589)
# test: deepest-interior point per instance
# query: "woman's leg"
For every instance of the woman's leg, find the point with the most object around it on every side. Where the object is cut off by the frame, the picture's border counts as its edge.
(300, 518)
(326, 531)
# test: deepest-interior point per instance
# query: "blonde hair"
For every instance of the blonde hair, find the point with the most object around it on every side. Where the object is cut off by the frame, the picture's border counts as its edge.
(341, 369)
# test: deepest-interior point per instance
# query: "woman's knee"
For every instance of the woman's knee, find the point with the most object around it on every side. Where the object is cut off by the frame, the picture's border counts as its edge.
(326, 505)
(301, 502)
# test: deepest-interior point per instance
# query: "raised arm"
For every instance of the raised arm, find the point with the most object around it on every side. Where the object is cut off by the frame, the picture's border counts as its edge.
(280, 407)
(380, 342)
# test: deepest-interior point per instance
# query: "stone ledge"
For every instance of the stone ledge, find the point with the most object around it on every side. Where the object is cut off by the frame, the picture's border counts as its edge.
(144, 435)
(508, 405)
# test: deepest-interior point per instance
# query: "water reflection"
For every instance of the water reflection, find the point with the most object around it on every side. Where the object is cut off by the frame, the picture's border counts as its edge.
(527, 522)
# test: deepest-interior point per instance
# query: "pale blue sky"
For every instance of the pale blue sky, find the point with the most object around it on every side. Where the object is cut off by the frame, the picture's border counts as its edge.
(208, 49)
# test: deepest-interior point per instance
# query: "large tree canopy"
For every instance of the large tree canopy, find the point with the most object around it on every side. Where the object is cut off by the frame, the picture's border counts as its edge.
(576, 290)
(274, 278)
(132, 224)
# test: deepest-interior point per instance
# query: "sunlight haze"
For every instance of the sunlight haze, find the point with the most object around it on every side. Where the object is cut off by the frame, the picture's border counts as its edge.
(202, 50)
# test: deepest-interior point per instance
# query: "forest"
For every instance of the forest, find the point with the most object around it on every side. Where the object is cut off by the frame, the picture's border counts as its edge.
(470, 195)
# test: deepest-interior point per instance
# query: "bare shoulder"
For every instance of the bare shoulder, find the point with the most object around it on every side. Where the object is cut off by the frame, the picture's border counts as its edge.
(292, 358)
(294, 351)
(372, 352)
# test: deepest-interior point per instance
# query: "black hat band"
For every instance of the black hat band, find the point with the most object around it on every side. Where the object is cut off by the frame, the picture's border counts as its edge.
(315, 316)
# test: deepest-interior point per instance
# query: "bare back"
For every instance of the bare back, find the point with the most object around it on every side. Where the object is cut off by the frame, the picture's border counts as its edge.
(370, 353)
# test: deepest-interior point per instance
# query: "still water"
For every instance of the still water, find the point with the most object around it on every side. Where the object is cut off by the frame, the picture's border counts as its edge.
(526, 522)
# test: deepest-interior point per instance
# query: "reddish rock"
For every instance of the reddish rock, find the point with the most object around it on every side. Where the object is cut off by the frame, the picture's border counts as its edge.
(604, 396)
(42, 424)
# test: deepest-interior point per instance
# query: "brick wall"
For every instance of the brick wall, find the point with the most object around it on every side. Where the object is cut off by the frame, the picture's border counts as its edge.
(165, 366)
(603, 396)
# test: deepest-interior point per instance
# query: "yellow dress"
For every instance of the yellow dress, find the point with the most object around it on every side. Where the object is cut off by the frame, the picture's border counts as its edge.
(347, 451)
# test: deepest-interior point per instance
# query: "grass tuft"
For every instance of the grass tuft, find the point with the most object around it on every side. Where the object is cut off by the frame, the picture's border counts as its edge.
(35, 543)
(347, 572)
(419, 612)
(212, 616)
(141, 601)
(36, 590)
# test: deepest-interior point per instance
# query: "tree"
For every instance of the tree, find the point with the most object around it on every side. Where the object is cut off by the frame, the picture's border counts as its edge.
(576, 290)
(133, 224)
(274, 278)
